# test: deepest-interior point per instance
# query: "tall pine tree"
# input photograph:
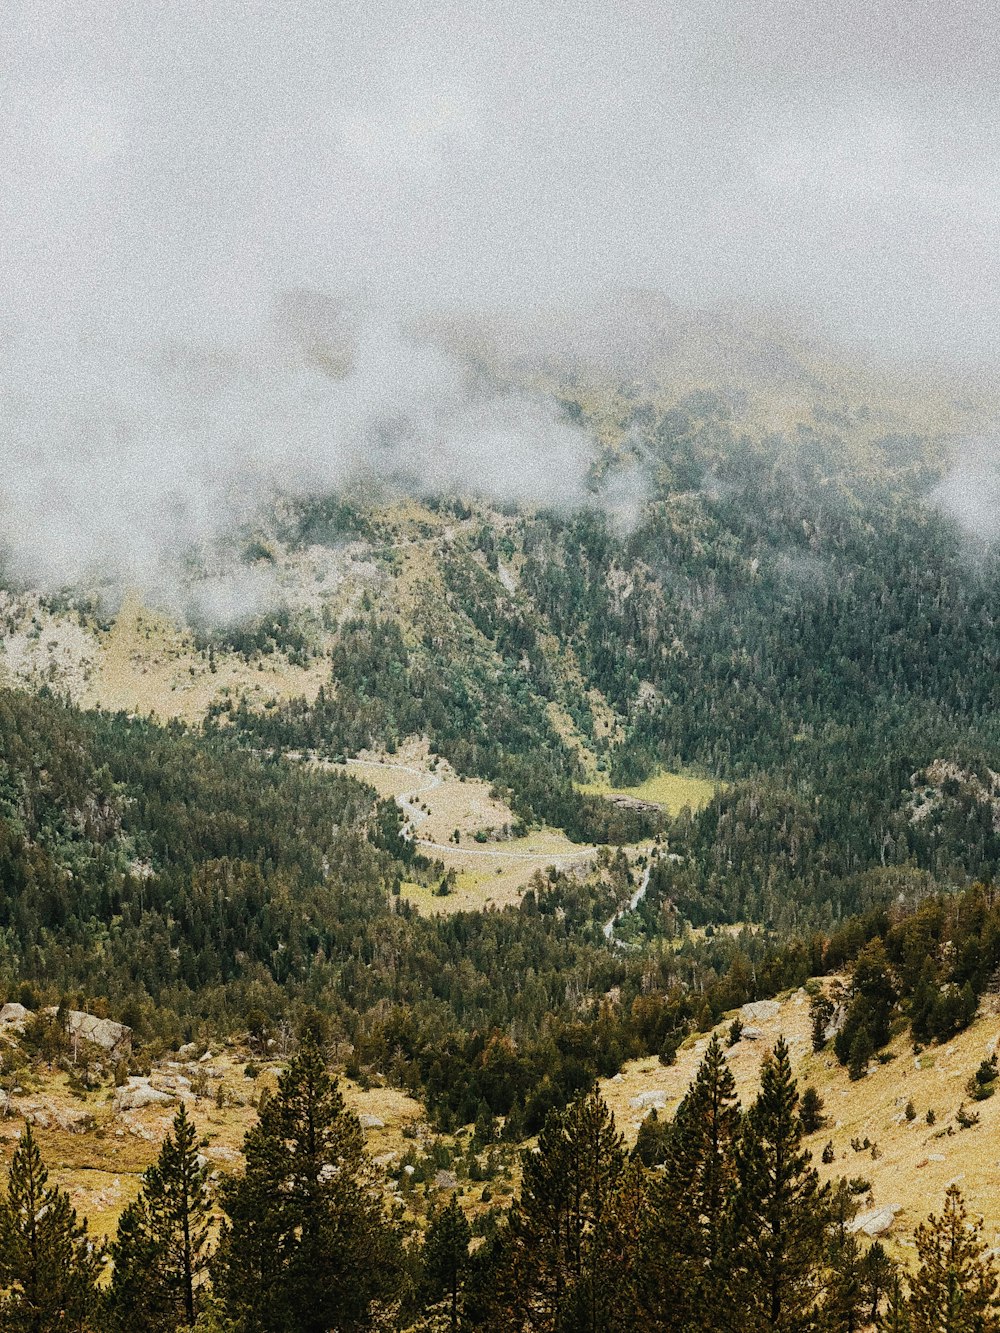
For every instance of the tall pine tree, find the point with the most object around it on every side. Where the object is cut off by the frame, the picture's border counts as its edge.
(161, 1250)
(446, 1260)
(307, 1246)
(48, 1268)
(553, 1271)
(685, 1275)
(779, 1213)
(954, 1289)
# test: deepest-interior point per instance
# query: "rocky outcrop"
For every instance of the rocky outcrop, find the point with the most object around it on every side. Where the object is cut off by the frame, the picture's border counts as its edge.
(14, 1016)
(760, 1011)
(645, 1100)
(115, 1038)
(139, 1092)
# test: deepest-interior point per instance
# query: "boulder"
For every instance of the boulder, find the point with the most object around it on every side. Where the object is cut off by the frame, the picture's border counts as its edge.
(875, 1221)
(749, 1033)
(657, 1097)
(760, 1011)
(74, 1121)
(139, 1092)
(14, 1015)
(370, 1122)
(115, 1038)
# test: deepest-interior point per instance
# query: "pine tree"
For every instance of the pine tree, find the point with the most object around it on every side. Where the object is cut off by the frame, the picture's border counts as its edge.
(895, 1318)
(161, 1249)
(811, 1111)
(821, 1013)
(878, 1276)
(954, 1289)
(446, 1258)
(683, 1275)
(307, 1246)
(779, 1210)
(553, 1272)
(48, 1268)
(845, 1303)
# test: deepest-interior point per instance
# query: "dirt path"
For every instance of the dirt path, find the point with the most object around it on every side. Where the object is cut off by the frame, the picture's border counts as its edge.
(407, 802)
(630, 906)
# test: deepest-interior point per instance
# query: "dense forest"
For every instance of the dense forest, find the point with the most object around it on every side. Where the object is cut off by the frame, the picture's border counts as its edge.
(811, 632)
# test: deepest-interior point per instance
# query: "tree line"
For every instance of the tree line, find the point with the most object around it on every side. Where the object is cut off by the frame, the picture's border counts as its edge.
(730, 1228)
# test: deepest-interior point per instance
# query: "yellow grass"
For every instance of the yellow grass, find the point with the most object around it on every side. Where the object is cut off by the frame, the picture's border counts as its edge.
(905, 1172)
(147, 664)
(673, 791)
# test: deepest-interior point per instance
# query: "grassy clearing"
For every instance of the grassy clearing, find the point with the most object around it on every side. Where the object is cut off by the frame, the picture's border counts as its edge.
(672, 791)
(147, 664)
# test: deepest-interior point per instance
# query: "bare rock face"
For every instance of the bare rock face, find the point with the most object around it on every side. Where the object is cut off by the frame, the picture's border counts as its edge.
(139, 1092)
(73, 1121)
(115, 1038)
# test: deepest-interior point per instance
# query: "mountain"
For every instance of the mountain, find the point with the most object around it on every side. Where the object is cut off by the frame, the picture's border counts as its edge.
(509, 797)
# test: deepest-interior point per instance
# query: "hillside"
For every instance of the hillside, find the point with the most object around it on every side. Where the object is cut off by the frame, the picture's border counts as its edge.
(908, 1163)
(510, 800)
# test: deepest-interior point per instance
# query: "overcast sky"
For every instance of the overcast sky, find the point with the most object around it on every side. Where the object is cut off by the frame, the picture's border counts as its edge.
(165, 166)
(168, 169)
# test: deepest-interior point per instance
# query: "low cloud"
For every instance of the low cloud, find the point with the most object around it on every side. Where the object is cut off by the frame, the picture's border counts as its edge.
(115, 463)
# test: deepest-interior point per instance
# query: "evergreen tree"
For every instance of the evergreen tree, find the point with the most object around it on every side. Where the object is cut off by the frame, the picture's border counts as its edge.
(779, 1211)
(446, 1259)
(811, 1111)
(845, 1303)
(307, 1246)
(685, 1264)
(895, 1318)
(821, 1012)
(48, 1268)
(161, 1249)
(954, 1289)
(554, 1272)
(878, 1274)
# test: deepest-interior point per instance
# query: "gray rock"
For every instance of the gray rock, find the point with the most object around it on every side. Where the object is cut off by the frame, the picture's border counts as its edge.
(74, 1122)
(875, 1221)
(139, 1092)
(371, 1122)
(656, 1098)
(14, 1015)
(760, 1011)
(115, 1038)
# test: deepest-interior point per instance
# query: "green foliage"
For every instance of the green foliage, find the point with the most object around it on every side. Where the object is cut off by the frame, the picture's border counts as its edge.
(780, 1209)
(307, 1244)
(811, 1111)
(160, 1252)
(555, 1261)
(955, 1285)
(445, 1261)
(48, 1266)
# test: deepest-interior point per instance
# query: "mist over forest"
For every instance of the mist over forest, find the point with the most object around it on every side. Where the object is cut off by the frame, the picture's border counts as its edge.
(499, 667)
